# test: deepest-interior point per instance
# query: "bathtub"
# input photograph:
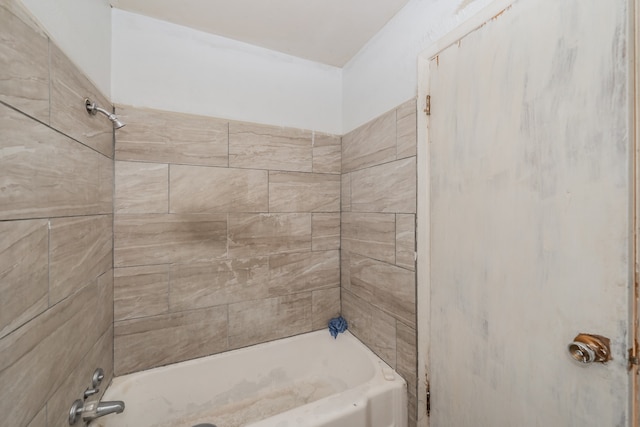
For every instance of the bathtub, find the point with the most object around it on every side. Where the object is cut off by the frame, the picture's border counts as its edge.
(306, 380)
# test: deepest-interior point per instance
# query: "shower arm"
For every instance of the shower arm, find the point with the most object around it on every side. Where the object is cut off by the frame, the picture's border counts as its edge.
(92, 109)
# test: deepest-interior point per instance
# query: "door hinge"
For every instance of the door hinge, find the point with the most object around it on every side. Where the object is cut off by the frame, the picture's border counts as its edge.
(427, 108)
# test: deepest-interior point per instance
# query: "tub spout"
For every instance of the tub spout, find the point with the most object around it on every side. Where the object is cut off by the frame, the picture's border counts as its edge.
(106, 408)
(96, 409)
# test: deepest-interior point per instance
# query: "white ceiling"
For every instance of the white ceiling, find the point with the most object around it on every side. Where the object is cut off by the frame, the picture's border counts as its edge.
(326, 31)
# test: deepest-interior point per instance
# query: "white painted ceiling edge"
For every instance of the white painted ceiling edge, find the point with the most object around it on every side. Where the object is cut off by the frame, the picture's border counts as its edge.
(384, 74)
(326, 31)
(157, 64)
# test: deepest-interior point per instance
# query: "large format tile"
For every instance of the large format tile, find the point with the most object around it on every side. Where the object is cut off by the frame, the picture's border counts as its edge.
(80, 250)
(407, 359)
(406, 130)
(155, 341)
(140, 291)
(208, 189)
(218, 283)
(169, 137)
(268, 147)
(141, 187)
(69, 88)
(375, 328)
(386, 286)
(370, 234)
(100, 356)
(252, 322)
(265, 234)
(406, 240)
(40, 420)
(38, 357)
(45, 174)
(303, 192)
(325, 306)
(303, 271)
(325, 231)
(370, 144)
(24, 272)
(327, 153)
(386, 188)
(345, 193)
(163, 239)
(24, 64)
(357, 313)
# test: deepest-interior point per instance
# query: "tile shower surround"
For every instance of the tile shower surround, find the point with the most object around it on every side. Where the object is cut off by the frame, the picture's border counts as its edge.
(226, 234)
(378, 199)
(248, 261)
(56, 216)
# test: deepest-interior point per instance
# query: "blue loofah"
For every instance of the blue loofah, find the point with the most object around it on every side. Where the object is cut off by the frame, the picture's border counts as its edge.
(337, 325)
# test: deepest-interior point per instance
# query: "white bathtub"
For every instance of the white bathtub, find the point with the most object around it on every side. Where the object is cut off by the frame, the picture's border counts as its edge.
(306, 380)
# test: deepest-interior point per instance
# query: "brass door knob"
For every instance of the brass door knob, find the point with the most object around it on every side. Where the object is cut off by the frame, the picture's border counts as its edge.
(587, 348)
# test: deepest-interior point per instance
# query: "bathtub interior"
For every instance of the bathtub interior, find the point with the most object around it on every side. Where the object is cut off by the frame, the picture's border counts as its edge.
(246, 386)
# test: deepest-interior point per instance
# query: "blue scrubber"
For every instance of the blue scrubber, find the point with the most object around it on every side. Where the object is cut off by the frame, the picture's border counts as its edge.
(337, 325)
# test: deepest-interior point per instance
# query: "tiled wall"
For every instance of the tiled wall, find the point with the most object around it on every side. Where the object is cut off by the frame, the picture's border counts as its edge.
(378, 239)
(56, 178)
(227, 234)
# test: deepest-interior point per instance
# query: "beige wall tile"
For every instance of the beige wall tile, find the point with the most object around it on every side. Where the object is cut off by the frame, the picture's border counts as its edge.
(303, 271)
(370, 234)
(345, 193)
(206, 189)
(406, 130)
(40, 420)
(303, 192)
(69, 88)
(169, 137)
(24, 73)
(386, 188)
(155, 341)
(80, 250)
(327, 153)
(385, 286)
(140, 291)
(104, 309)
(265, 234)
(407, 360)
(37, 358)
(141, 187)
(357, 313)
(325, 305)
(325, 231)
(218, 283)
(46, 174)
(163, 239)
(345, 271)
(405, 240)
(252, 322)
(370, 144)
(24, 272)
(100, 356)
(268, 147)
(383, 336)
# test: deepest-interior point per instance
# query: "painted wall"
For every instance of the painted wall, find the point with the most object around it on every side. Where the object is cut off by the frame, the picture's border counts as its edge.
(82, 29)
(165, 66)
(384, 73)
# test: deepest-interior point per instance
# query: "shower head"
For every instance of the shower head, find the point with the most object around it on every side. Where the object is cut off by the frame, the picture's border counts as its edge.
(92, 109)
